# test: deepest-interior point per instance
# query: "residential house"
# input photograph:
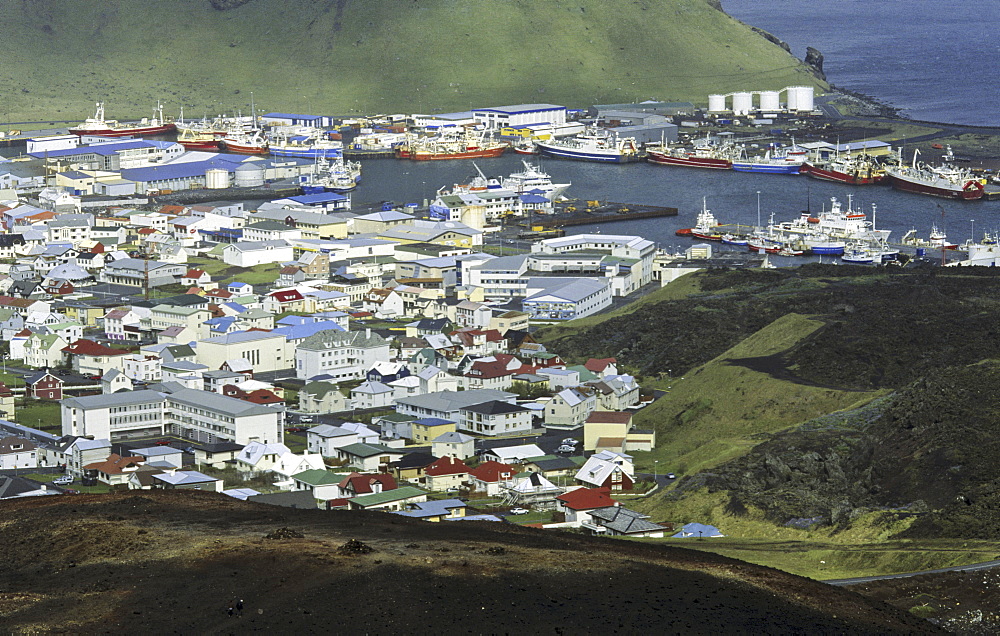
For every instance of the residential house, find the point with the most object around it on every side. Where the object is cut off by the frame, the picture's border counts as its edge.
(369, 457)
(577, 504)
(114, 381)
(620, 521)
(16, 452)
(261, 350)
(122, 324)
(607, 469)
(358, 484)
(446, 473)
(82, 451)
(259, 457)
(325, 439)
(428, 428)
(321, 483)
(491, 477)
(447, 405)
(93, 359)
(606, 429)
(44, 385)
(217, 454)
(532, 489)
(602, 366)
(44, 351)
(570, 408)
(372, 395)
(512, 454)
(115, 470)
(389, 500)
(435, 510)
(453, 444)
(494, 418)
(322, 397)
(186, 480)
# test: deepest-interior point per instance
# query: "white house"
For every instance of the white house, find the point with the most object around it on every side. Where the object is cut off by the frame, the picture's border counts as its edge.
(339, 355)
(249, 254)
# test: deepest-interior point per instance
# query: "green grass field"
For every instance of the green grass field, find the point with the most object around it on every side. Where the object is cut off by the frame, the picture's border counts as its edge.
(718, 411)
(377, 56)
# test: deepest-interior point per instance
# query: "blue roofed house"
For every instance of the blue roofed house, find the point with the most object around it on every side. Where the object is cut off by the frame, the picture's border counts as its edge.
(697, 530)
(435, 510)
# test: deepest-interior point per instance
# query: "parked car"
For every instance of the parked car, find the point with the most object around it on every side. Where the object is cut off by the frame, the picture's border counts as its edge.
(569, 441)
(671, 476)
(65, 480)
(566, 448)
(295, 429)
(163, 442)
(306, 418)
(519, 511)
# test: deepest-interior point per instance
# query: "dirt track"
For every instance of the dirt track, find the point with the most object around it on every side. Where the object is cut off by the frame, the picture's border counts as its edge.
(171, 562)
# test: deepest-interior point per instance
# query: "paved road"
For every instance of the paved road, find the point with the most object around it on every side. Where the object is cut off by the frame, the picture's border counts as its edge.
(985, 565)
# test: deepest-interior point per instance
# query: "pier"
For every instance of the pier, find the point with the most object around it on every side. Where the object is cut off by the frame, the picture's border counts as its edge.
(570, 213)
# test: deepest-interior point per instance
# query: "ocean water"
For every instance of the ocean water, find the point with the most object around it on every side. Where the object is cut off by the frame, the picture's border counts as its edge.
(935, 59)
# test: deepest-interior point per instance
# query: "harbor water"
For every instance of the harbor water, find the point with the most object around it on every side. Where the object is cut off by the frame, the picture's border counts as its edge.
(731, 196)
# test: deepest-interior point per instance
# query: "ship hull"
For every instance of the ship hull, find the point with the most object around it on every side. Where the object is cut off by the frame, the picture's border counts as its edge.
(307, 153)
(582, 155)
(836, 176)
(200, 145)
(481, 153)
(972, 191)
(139, 131)
(766, 168)
(689, 162)
(243, 150)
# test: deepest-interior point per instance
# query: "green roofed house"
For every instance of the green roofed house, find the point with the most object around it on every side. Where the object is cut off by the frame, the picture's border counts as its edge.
(321, 483)
(322, 397)
(398, 499)
(369, 457)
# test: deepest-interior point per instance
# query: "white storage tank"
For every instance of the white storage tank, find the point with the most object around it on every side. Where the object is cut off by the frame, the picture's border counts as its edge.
(216, 178)
(249, 175)
(792, 98)
(742, 103)
(769, 100)
(716, 103)
(804, 98)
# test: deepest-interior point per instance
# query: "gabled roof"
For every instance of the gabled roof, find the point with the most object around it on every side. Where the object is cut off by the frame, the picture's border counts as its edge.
(624, 521)
(493, 471)
(587, 499)
(447, 466)
(90, 348)
(115, 464)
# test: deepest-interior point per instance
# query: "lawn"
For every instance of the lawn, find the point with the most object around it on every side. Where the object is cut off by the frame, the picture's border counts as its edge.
(98, 488)
(224, 273)
(40, 414)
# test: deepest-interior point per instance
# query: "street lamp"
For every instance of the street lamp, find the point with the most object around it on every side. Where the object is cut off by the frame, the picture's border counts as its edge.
(758, 209)
(655, 462)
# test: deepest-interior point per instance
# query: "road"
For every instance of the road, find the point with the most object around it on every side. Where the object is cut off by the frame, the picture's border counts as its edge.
(985, 565)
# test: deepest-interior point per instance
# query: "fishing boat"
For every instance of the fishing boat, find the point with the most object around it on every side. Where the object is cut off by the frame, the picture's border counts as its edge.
(533, 180)
(706, 227)
(937, 238)
(733, 239)
(594, 144)
(468, 145)
(338, 175)
(858, 254)
(849, 224)
(101, 127)
(526, 147)
(193, 139)
(763, 244)
(946, 180)
(787, 162)
(852, 170)
(311, 144)
(245, 143)
(706, 155)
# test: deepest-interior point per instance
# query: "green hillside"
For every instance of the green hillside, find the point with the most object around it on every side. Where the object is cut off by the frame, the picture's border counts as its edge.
(341, 56)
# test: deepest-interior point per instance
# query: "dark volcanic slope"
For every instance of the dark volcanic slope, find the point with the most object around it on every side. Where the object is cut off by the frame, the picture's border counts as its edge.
(883, 329)
(171, 562)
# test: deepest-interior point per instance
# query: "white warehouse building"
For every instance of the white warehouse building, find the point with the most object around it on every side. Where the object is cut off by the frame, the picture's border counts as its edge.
(520, 115)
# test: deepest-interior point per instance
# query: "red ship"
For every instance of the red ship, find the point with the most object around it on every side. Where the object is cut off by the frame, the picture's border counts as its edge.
(717, 157)
(100, 127)
(858, 170)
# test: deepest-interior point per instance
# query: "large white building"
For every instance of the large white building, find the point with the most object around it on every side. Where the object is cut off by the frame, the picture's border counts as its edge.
(262, 349)
(634, 251)
(340, 355)
(499, 117)
(196, 415)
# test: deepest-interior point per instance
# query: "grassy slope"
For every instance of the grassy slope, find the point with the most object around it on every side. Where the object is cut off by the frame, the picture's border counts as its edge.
(719, 410)
(865, 549)
(377, 55)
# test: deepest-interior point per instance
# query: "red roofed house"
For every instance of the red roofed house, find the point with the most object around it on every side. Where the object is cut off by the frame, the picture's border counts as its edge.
(284, 300)
(602, 366)
(356, 484)
(91, 358)
(491, 373)
(479, 342)
(196, 277)
(115, 469)
(445, 473)
(220, 294)
(258, 396)
(491, 476)
(577, 504)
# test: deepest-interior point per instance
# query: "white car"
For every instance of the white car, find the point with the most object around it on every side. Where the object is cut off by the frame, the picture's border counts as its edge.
(65, 480)
(519, 511)
(566, 448)
(569, 441)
